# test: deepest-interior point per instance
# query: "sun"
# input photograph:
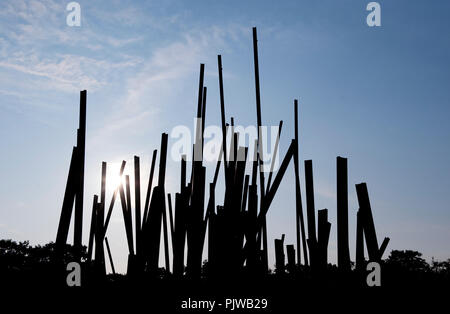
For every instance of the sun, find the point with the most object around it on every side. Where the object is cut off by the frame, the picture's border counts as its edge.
(113, 181)
(113, 177)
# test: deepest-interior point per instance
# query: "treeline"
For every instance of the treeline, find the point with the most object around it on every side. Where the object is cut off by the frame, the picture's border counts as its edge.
(402, 267)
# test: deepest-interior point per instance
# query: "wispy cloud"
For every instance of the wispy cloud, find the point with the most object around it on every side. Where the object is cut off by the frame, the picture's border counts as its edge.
(35, 41)
(66, 72)
(161, 77)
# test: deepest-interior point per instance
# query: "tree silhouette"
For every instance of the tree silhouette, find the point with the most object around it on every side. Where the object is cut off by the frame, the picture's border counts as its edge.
(21, 256)
(408, 260)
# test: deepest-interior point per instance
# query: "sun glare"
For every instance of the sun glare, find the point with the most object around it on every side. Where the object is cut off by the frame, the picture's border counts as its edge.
(113, 179)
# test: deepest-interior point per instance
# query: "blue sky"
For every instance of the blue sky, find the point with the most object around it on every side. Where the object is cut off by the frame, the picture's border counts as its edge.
(377, 95)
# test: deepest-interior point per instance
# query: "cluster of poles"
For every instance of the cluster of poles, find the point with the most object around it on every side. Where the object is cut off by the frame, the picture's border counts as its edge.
(236, 230)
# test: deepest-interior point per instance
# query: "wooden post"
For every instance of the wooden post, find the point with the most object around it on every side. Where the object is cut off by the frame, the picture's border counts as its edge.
(172, 230)
(279, 255)
(128, 197)
(110, 256)
(359, 242)
(149, 188)
(258, 111)
(203, 115)
(137, 199)
(323, 236)
(156, 210)
(67, 207)
(81, 140)
(244, 197)
(222, 115)
(367, 220)
(166, 241)
(198, 149)
(183, 172)
(113, 200)
(276, 183)
(128, 230)
(100, 217)
(342, 214)
(103, 194)
(291, 257)
(274, 156)
(181, 200)
(383, 246)
(162, 160)
(99, 263)
(92, 231)
(260, 148)
(310, 200)
(299, 218)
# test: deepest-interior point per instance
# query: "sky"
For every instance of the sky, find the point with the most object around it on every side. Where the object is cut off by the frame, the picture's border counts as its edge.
(379, 96)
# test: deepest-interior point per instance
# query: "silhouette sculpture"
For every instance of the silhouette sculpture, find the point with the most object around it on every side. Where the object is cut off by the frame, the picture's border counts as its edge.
(236, 229)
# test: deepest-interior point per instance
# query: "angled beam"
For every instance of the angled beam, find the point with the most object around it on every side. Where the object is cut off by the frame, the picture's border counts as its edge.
(152, 228)
(216, 172)
(258, 111)
(92, 231)
(198, 149)
(128, 230)
(367, 221)
(113, 200)
(244, 197)
(299, 218)
(383, 247)
(172, 230)
(274, 157)
(149, 188)
(222, 115)
(203, 115)
(276, 182)
(67, 207)
(110, 256)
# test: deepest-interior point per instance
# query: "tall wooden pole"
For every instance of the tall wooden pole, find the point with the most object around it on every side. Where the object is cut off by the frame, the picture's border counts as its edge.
(110, 256)
(149, 188)
(67, 207)
(222, 116)
(367, 220)
(310, 200)
(81, 140)
(113, 200)
(342, 214)
(137, 199)
(260, 145)
(258, 110)
(299, 219)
